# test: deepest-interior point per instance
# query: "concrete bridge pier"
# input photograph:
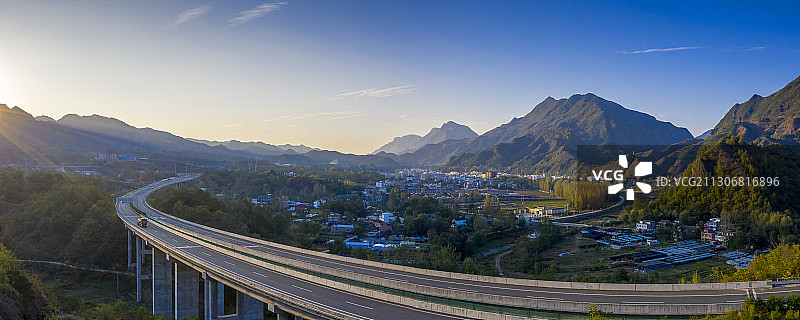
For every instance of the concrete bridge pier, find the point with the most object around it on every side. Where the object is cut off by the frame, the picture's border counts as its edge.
(141, 275)
(282, 315)
(162, 285)
(130, 250)
(248, 308)
(209, 292)
(187, 291)
(175, 288)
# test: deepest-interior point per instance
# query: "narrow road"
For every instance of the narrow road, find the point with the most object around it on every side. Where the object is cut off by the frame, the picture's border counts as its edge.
(79, 267)
(497, 262)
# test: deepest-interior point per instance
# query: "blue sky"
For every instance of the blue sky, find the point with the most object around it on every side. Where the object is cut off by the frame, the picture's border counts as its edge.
(351, 75)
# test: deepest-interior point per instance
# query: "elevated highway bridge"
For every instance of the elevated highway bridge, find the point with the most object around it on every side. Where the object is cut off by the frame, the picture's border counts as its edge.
(190, 269)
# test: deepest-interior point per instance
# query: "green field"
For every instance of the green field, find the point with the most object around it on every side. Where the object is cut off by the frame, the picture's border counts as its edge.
(555, 202)
(593, 265)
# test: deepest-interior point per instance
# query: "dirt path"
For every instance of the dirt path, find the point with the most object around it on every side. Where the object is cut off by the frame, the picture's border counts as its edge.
(497, 262)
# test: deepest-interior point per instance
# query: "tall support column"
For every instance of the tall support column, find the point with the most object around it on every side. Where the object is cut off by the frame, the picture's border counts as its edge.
(129, 248)
(208, 299)
(218, 295)
(248, 307)
(282, 315)
(138, 269)
(187, 290)
(162, 284)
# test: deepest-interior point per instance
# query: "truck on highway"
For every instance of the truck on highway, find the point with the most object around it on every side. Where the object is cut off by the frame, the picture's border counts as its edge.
(142, 222)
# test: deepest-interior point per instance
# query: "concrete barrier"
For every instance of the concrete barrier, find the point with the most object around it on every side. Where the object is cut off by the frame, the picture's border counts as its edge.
(247, 254)
(308, 305)
(482, 298)
(491, 279)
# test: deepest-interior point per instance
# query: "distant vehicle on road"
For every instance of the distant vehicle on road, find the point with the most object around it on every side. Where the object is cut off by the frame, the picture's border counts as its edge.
(142, 222)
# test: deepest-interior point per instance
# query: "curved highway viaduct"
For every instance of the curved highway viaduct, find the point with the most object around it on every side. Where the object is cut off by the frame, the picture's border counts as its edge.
(186, 267)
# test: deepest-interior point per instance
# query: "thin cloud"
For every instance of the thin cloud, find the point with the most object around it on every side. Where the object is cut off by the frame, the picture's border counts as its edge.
(232, 125)
(760, 48)
(337, 115)
(257, 12)
(348, 116)
(378, 93)
(656, 50)
(191, 14)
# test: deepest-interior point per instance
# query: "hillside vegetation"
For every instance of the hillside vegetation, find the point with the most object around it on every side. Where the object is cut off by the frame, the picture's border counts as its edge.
(771, 119)
(49, 215)
(764, 216)
(20, 296)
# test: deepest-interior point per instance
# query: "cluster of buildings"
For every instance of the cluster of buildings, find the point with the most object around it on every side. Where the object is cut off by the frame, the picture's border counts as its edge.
(530, 214)
(295, 207)
(713, 237)
(388, 243)
(618, 238)
(738, 259)
(715, 231)
(667, 257)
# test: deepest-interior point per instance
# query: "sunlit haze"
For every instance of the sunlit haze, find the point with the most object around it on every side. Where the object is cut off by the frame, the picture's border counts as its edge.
(351, 75)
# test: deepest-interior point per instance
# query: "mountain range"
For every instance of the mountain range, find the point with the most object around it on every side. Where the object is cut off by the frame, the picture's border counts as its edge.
(771, 119)
(412, 142)
(73, 138)
(544, 140)
(258, 147)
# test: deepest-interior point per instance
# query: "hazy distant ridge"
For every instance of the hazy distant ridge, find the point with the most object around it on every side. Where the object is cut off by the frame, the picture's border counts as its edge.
(412, 142)
(258, 147)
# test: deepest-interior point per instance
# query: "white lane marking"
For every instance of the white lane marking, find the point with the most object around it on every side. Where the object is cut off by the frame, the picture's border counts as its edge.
(188, 247)
(256, 273)
(546, 298)
(228, 262)
(278, 251)
(330, 307)
(795, 289)
(302, 298)
(358, 305)
(466, 284)
(256, 246)
(301, 288)
(643, 302)
(467, 290)
(205, 254)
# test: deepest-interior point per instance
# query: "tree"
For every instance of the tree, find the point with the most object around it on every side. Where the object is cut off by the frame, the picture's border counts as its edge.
(782, 262)
(596, 314)
(491, 206)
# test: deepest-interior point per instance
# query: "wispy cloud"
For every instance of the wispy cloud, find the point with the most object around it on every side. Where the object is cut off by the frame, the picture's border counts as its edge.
(348, 116)
(759, 48)
(257, 12)
(231, 125)
(378, 93)
(191, 14)
(656, 50)
(336, 115)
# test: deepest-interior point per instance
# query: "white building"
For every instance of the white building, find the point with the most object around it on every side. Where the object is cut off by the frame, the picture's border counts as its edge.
(387, 217)
(645, 225)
